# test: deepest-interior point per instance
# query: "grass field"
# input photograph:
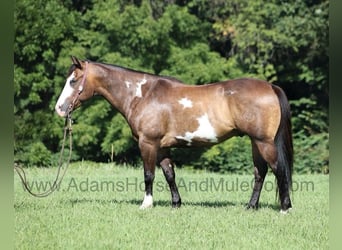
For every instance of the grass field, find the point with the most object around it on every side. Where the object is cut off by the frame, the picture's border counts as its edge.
(97, 207)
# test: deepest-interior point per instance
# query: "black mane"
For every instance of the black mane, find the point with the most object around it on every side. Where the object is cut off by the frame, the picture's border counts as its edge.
(107, 65)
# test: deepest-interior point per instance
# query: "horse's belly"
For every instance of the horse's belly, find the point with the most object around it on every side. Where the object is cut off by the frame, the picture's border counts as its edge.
(204, 135)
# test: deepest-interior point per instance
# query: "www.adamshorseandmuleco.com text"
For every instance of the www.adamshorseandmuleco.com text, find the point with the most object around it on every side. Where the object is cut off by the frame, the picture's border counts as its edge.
(209, 184)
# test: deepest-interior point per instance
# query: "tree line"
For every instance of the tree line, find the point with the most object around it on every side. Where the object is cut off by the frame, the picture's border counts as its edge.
(196, 41)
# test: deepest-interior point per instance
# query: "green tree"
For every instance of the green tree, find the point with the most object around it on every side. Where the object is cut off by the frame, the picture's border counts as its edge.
(285, 43)
(196, 41)
(40, 28)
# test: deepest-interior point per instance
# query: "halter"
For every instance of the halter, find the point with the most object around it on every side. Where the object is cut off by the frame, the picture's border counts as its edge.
(80, 89)
(67, 130)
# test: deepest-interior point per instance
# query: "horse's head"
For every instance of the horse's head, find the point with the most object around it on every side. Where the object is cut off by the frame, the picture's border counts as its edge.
(76, 88)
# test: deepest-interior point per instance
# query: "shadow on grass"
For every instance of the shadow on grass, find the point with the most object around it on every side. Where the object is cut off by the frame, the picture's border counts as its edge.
(167, 203)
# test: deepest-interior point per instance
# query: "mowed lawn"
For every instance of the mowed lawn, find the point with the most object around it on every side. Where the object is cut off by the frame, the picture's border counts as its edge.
(97, 207)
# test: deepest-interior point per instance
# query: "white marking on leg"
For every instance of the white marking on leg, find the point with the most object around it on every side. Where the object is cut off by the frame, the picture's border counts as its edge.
(205, 130)
(138, 92)
(128, 84)
(147, 202)
(67, 92)
(285, 211)
(185, 102)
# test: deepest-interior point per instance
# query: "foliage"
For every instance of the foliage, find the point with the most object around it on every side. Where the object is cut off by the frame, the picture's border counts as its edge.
(197, 41)
(123, 148)
(234, 155)
(314, 150)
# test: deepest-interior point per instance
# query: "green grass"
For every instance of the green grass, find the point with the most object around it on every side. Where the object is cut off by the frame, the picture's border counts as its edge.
(82, 214)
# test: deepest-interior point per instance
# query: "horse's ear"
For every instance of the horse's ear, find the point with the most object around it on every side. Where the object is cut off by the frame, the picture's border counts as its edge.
(76, 62)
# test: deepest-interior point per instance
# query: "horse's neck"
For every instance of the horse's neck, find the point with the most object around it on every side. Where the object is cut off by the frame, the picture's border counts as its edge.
(121, 87)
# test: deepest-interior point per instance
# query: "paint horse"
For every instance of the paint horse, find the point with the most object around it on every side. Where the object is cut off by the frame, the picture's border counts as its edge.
(162, 112)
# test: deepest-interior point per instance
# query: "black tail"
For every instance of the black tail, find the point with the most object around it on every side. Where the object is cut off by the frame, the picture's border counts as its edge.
(283, 139)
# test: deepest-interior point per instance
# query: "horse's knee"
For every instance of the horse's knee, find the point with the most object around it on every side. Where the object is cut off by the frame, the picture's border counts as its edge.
(148, 176)
(166, 164)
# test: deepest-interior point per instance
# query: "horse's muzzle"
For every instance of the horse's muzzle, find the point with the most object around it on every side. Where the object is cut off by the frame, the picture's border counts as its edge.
(67, 107)
(61, 111)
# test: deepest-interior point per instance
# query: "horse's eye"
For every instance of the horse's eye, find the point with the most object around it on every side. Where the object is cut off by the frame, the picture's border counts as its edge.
(72, 82)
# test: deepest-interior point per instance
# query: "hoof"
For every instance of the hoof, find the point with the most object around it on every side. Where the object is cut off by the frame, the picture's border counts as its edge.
(254, 207)
(282, 211)
(176, 204)
(147, 202)
(144, 206)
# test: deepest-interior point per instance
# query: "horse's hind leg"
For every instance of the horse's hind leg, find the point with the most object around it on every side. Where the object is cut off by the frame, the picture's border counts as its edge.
(169, 173)
(269, 153)
(260, 171)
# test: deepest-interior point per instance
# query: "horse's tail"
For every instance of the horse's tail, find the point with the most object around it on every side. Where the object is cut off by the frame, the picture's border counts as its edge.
(283, 139)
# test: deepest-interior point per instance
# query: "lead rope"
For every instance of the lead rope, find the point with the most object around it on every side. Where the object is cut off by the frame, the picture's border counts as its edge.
(59, 177)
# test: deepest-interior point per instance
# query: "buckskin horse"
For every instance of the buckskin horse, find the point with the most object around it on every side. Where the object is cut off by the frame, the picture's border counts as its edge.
(163, 112)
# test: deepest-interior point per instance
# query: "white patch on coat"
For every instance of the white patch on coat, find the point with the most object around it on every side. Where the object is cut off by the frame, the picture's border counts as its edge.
(68, 90)
(205, 131)
(128, 84)
(230, 92)
(138, 92)
(147, 202)
(185, 102)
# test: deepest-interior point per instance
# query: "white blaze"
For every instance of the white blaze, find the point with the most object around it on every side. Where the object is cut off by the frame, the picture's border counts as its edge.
(138, 92)
(185, 102)
(205, 130)
(67, 92)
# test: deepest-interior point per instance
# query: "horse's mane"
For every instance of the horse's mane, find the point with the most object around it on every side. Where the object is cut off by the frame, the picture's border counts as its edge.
(113, 66)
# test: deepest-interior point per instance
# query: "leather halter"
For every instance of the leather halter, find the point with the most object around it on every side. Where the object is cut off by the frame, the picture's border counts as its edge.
(80, 89)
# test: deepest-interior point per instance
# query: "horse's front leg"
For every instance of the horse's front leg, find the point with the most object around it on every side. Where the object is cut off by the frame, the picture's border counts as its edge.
(149, 156)
(169, 173)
